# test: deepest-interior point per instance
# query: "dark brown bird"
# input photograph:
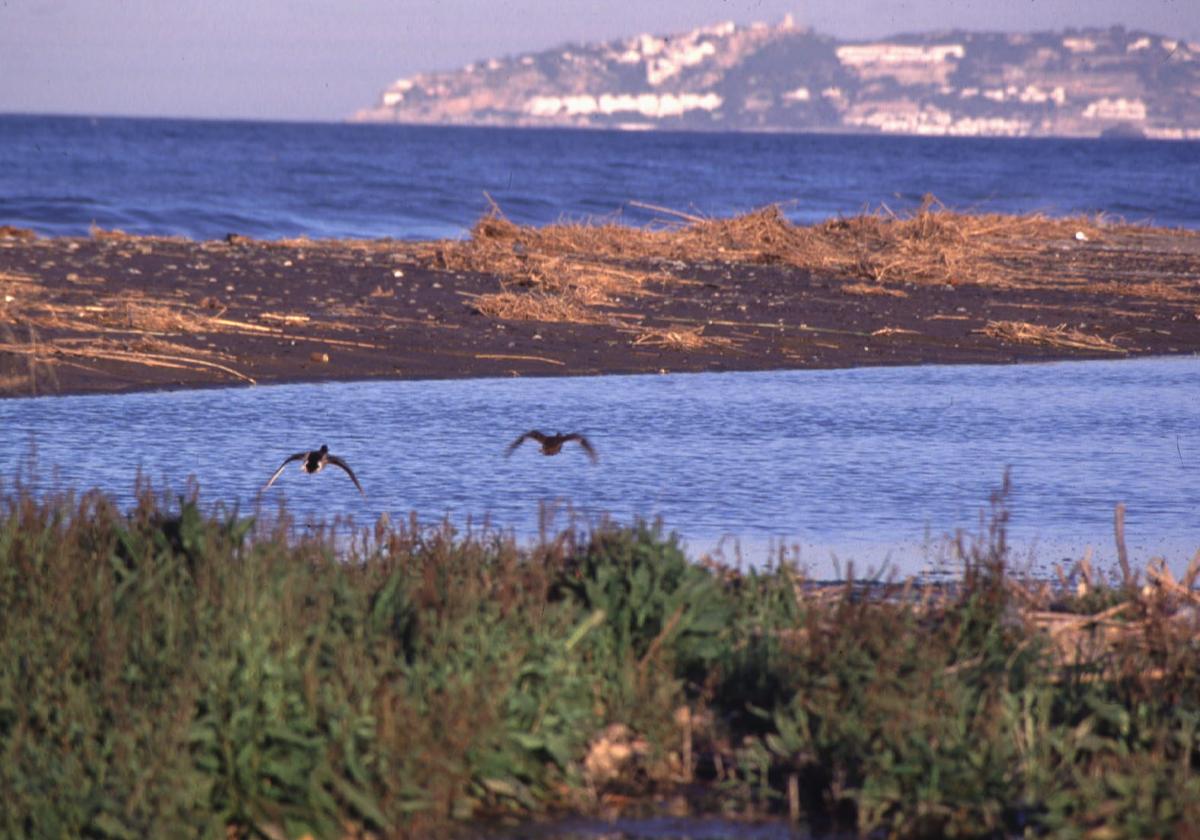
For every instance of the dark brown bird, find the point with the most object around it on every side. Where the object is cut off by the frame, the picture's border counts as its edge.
(553, 444)
(312, 463)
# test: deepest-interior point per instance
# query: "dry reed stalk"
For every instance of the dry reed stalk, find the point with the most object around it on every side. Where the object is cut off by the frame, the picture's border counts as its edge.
(1184, 589)
(155, 344)
(658, 208)
(536, 307)
(148, 352)
(284, 318)
(343, 309)
(154, 316)
(129, 312)
(1122, 552)
(296, 242)
(143, 239)
(153, 359)
(135, 315)
(934, 245)
(242, 326)
(19, 279)
(1192, 573)
(114, 235)
(518, 358)
(335, 247)
(1159, 576)
(680, 339)
(1087, 639)
(1083, 639)
(884, 331)
(18, 233)
(1059, 336)
(871, 289)
(595, 262)
(494, 236)
(340, 342)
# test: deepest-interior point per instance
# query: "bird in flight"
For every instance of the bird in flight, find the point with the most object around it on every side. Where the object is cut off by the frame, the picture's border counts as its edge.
(553, 444)
(312, 463)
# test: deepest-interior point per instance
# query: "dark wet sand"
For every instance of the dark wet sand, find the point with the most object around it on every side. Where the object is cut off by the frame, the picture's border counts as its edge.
(113, 313)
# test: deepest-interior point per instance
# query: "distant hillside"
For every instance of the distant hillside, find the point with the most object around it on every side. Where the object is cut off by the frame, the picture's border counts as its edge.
(1077, 83)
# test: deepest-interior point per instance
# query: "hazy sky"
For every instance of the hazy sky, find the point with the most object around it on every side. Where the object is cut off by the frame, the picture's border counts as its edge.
(322, 59)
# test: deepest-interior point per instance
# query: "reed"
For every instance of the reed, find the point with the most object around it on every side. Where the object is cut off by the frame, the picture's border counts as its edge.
(179, 669)
(680, 338)
(1058, 336)
(876, 252)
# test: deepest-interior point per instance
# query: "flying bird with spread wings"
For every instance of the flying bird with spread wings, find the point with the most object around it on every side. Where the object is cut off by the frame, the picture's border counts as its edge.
(312, 462)
(553, 444)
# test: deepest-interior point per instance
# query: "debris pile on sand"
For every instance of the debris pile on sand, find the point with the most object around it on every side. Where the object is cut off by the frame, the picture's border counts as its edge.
(1058, 336)
(568, 271)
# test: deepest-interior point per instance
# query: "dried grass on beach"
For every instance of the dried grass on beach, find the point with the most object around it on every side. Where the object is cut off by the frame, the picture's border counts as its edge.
(582, 264)
(1058, 336)
(116, 236)
(680, 338)
(129, 328)
(535, 307)
(595, 264)
(872, 289)
(155, 316)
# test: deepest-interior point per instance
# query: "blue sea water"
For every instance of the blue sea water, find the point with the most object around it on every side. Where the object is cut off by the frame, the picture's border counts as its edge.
(203, 179)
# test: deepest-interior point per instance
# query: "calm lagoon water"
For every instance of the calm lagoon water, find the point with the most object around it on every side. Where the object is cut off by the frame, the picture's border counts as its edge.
(864, 465)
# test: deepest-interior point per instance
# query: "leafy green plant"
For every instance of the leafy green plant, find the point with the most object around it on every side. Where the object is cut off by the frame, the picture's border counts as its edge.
(654, 600)
(175, 670)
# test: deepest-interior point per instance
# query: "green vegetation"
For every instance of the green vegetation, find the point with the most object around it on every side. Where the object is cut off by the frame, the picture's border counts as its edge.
(166, 672)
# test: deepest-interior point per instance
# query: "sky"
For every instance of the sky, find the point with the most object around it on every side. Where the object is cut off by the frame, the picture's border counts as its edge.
(323, 59)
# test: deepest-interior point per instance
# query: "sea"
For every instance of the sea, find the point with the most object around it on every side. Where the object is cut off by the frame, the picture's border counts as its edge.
(880, 468)
(204, 179)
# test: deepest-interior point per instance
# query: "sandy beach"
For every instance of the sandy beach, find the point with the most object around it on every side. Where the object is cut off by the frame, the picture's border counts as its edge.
(113, 313)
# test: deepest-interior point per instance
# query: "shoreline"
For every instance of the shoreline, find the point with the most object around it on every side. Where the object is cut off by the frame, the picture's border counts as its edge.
(114, 313)
(213, 385)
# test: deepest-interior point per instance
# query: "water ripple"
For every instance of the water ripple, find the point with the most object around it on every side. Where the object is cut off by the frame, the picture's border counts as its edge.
(285, 179)
(862, 464)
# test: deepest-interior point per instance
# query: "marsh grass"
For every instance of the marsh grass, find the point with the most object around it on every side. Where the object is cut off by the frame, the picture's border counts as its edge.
(166, 671)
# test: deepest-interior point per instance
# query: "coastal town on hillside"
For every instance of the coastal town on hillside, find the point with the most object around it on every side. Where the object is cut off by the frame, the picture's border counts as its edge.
(1073, 83)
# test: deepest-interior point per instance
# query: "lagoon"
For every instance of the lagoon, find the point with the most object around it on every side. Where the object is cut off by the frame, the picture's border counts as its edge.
(868, 465)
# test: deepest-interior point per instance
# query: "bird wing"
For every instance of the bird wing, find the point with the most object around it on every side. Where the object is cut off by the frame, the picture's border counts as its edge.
(535, 435)
(585, 443)
(338, 462)
(299, 456)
